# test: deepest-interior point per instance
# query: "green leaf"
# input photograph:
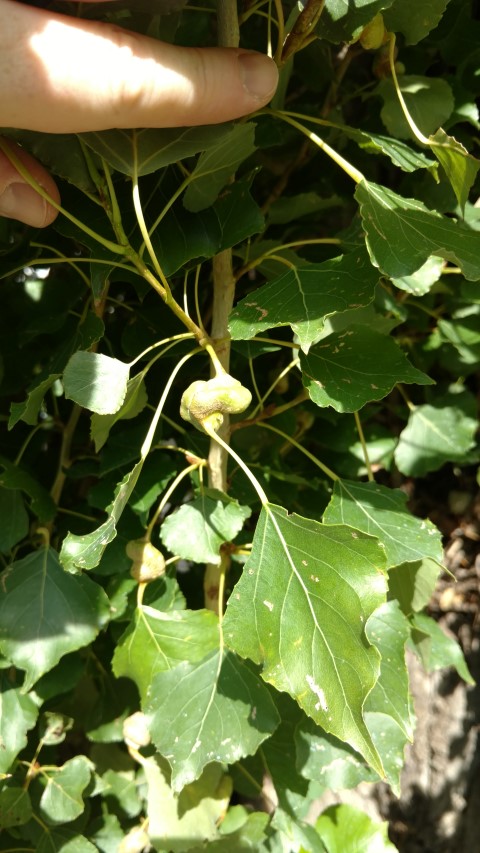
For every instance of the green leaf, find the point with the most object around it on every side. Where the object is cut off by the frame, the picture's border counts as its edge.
(240, 834)
(463, 333)
(304, 296)
(158, 641)
(62, 839)
(15, 521)
(197, 530)
(324, 759)
(343, 828)
(399, 153)
(436, 434)
(353, 367)
(18, 714)
(123, 787)
(15, 807)
(216, 165)
(388, 630)
(28, 410)
(460, 167)
(304, 621)
(15, 477)
(188, 818)
(402, 233)
(96, 382)
(152, 149)
(435, 648)
(390, 741)
(383, 513)
(429, 101)
(420, 282)
(46, 613)
(61, 801)
(217, 710)
(296, 834)
(135, 401)
(61, 153)
(184, 236)
(85, 551)
(343, 20)
(403, 17)
(412, 584)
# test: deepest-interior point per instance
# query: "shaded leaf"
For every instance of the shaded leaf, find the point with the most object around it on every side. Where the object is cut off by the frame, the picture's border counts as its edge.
(324, 759)
(28, 410)
(197, 530)
(402, 233)
(18, 714)
(437, 649)
(296, 834)
(61, 801)
(429, 101)
(217, 164)
(46, 613)
(62, 839)
(158, 641)
(304, 621)
(14, 518)
(400, 154)
(96, 382)
(304, 296)
(343, 20)
(15, 807)
(15, 477)
(217, 710)
(353, 367)
(403, 17)
(152, 149)
(383, 513)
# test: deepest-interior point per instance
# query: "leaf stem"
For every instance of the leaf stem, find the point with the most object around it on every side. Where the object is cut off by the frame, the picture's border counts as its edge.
(326, 470)
(366, 457)
(166, 497)
(413, 127)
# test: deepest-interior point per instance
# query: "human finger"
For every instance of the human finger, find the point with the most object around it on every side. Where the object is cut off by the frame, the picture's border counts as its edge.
(18, 200)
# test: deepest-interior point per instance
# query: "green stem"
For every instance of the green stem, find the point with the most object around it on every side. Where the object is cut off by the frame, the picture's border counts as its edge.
(413, 127)
(108, 244)
(326, 470)
(364, 447)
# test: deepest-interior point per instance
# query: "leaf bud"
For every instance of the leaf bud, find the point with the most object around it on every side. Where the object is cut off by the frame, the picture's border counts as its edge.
(148, 563)
(204, 403)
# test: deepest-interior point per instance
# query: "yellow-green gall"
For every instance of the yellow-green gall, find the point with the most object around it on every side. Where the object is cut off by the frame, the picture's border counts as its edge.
(373, 35)
(148, 563)
(204, 403)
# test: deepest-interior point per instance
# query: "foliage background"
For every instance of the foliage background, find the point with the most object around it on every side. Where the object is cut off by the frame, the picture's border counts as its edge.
(356, 259)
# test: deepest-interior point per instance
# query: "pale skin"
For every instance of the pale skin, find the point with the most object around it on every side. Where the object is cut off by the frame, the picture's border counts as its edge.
(61, 74)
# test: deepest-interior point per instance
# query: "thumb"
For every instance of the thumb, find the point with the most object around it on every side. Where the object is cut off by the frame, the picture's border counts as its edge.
(18, 200)
(66, 75)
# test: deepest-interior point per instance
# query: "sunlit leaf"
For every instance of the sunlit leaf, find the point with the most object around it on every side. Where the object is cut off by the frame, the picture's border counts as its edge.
(62, 801)
(460, 167)
(412, 584)
(188, 818)
(324, 759)
(218, 710)
(304, 622)
(344, 827)
(158, 641)
(343, 20)
(135, 401)
(436, 434)
(96, 382)
(46, 613)
(437, 649)
(18, 714)
(353, 367)
(197, 530)
(402, 233)
(304, 296)
(383, 513)
(420, 282)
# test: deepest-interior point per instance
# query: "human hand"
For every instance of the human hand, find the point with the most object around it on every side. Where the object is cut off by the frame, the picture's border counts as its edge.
(66, 75)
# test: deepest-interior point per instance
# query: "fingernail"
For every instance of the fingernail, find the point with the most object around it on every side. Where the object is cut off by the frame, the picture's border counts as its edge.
(20, 201)
(260, 75)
